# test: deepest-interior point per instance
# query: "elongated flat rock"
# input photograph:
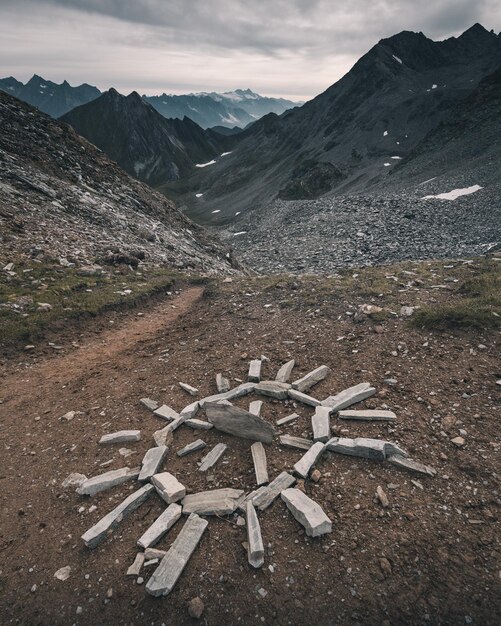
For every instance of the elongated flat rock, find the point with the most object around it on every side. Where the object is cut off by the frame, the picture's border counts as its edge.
(410, 465)
(237, 392)
(242, 505)
(164, 436)
(160, 526)
(311, 379)
(320, 423)
(235, 421)
(263, 500)
(95, 535)
(189, 389)
(284, 373)
(212, 457)
(168, 487)
(255, 407)
(255, 551)
(136, 566)
(273, 389)
(152, 462)
(307, 512)
(166, 412)
(172, 565)
(189, 411)
(197, 424)
(107, 480)
(259, 460)
(254, 375)
(222, 383)
(377, 449)
(121, 436)
(153, 553)
(285, 420)
(294, 394)
(150, 404)
(295, 442)
(309, 458)
(349, 396)
(213, 502)
(368, 415)
(199, 444)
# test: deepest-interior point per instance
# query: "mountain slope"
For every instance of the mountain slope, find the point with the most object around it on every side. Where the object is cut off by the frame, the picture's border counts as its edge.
(49, 97)
(350, 136)
(60, 197)
(141, 141)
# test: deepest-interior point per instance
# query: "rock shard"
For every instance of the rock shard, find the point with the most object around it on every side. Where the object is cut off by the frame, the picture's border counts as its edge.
(377, 449)
(199, 444)
(95, 535)
(222, 383)
(150, 404)
(349, 396)
(311, 379)
(254, 375)
(255, 407)
(168, 487)
(309, 458)
(152, 461)
(235, 421)
(255, 551)
(295, 442)
(237, 392)
(264, 498)
(307, 512)
(413, 466)
(294, 394)
(121, 436)
(285, 420)
(259, 460)
(285, 371)
(273, 389)
(96, 484)
(320, 423)
(197, 424)
(172, 565)
(189, 389)
(136, 566)
(160, 526)
(212, 457)
(368, 415)
(166, 412)
(213, 502)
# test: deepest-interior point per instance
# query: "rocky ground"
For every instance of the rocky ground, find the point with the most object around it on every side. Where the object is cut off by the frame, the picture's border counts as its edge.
(326, 234)
(430, 557)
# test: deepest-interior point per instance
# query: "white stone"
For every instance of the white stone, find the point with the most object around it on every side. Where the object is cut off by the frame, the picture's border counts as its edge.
(96, 484)
(285, 420)
(364, 447)
(349, 396)
(136, 566)
(189, 411)
(164, 436)
(152, 462)
(189, 389)
(237, 392)
(311, 379)
(412, 466)
(121, 436)
(320, 423)
(273, 389)
(255, 552)
(263, 499)
(368, 415)
(168, 487)
(254, 375)
(259, 460)
(309, 458)
(166, 412)
(152, 405)
(213, 502)
(295, 442)
(255, 407)
(284, 373)
(63, 573)
(294, 394)
(212, 457)
(307, 512)
(73, 480)
(199, 444)
(153, 553)
(222, 383)
(197, 424)
(160, 526)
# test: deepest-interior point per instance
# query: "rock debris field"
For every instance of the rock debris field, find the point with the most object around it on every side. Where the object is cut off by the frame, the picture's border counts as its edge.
(240, 508)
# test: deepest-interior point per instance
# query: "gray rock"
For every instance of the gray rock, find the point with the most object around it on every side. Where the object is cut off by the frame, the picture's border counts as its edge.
(294, 394)
(172, 565)
(254, 375)
(307, 512)
(259, 460)
(121, 436)
(237, 392)
(284, 373)
(413, 466)
(273, 389)
(235, 421)
(199, 444)
(160, 526)
(73, 480)
(263, 499)
(368, 415)
(164, 436)
(189, 389)
(309, 458)
(311, 379)
(95, 535)
(166, 412)
(135, 568)
(153, 553)
(285, 420)
(212, 457)
(189, 411)
(197, 424)
(152, 405)
(107, 480)
(255, 551)
(222, 383)
(349, 396)
(213, 502)
(168, 487)
(255, 407)
(295, 442)
(242, 506)
(320, 423)
(377, 449)
(152, 461)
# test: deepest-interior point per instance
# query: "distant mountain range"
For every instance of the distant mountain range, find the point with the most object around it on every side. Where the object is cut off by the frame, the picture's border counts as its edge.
(231, 109)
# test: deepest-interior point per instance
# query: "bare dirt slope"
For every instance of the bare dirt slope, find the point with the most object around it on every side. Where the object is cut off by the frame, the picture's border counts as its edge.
(432, 557)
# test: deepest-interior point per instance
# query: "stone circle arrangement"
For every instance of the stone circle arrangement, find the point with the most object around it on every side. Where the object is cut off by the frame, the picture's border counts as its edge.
(222, 415)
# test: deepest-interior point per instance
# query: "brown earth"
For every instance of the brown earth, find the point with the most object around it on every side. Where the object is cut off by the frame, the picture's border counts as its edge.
(432, 557)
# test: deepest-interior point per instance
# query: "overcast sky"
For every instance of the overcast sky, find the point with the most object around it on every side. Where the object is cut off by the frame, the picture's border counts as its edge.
(290, 48)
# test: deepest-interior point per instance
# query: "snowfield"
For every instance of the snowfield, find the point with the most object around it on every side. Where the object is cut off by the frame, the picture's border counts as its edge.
(455, 193)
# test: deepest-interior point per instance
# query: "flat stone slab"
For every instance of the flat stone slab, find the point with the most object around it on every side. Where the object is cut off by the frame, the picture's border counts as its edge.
(172, 565)
(95, 535)
(294, 394)
(410, 465)
(368, 415)
(189, 389)
(255, 407)
(242, 506)
(121, 436)
(197, 424)
(235, 421)
(107, 480)
(164, 436)
(237, 392)
(222, 383)
(255, 551)
(254, 375)
(311, 379)
(295, 442)
(189, 411)
(285, 371)
(321, 424)
(308, 460)
(153, 553)
(212, 457)
(263, 500)
(168, 487)
(273, 389)
(150, 404)
(136, 566)
(307, 512)
(285, 420)
(377, 449)
(160, 526)
(199, 444)
(259, 460)
(349, 396)
(213, 502)
(152, 462)
(166, 412)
